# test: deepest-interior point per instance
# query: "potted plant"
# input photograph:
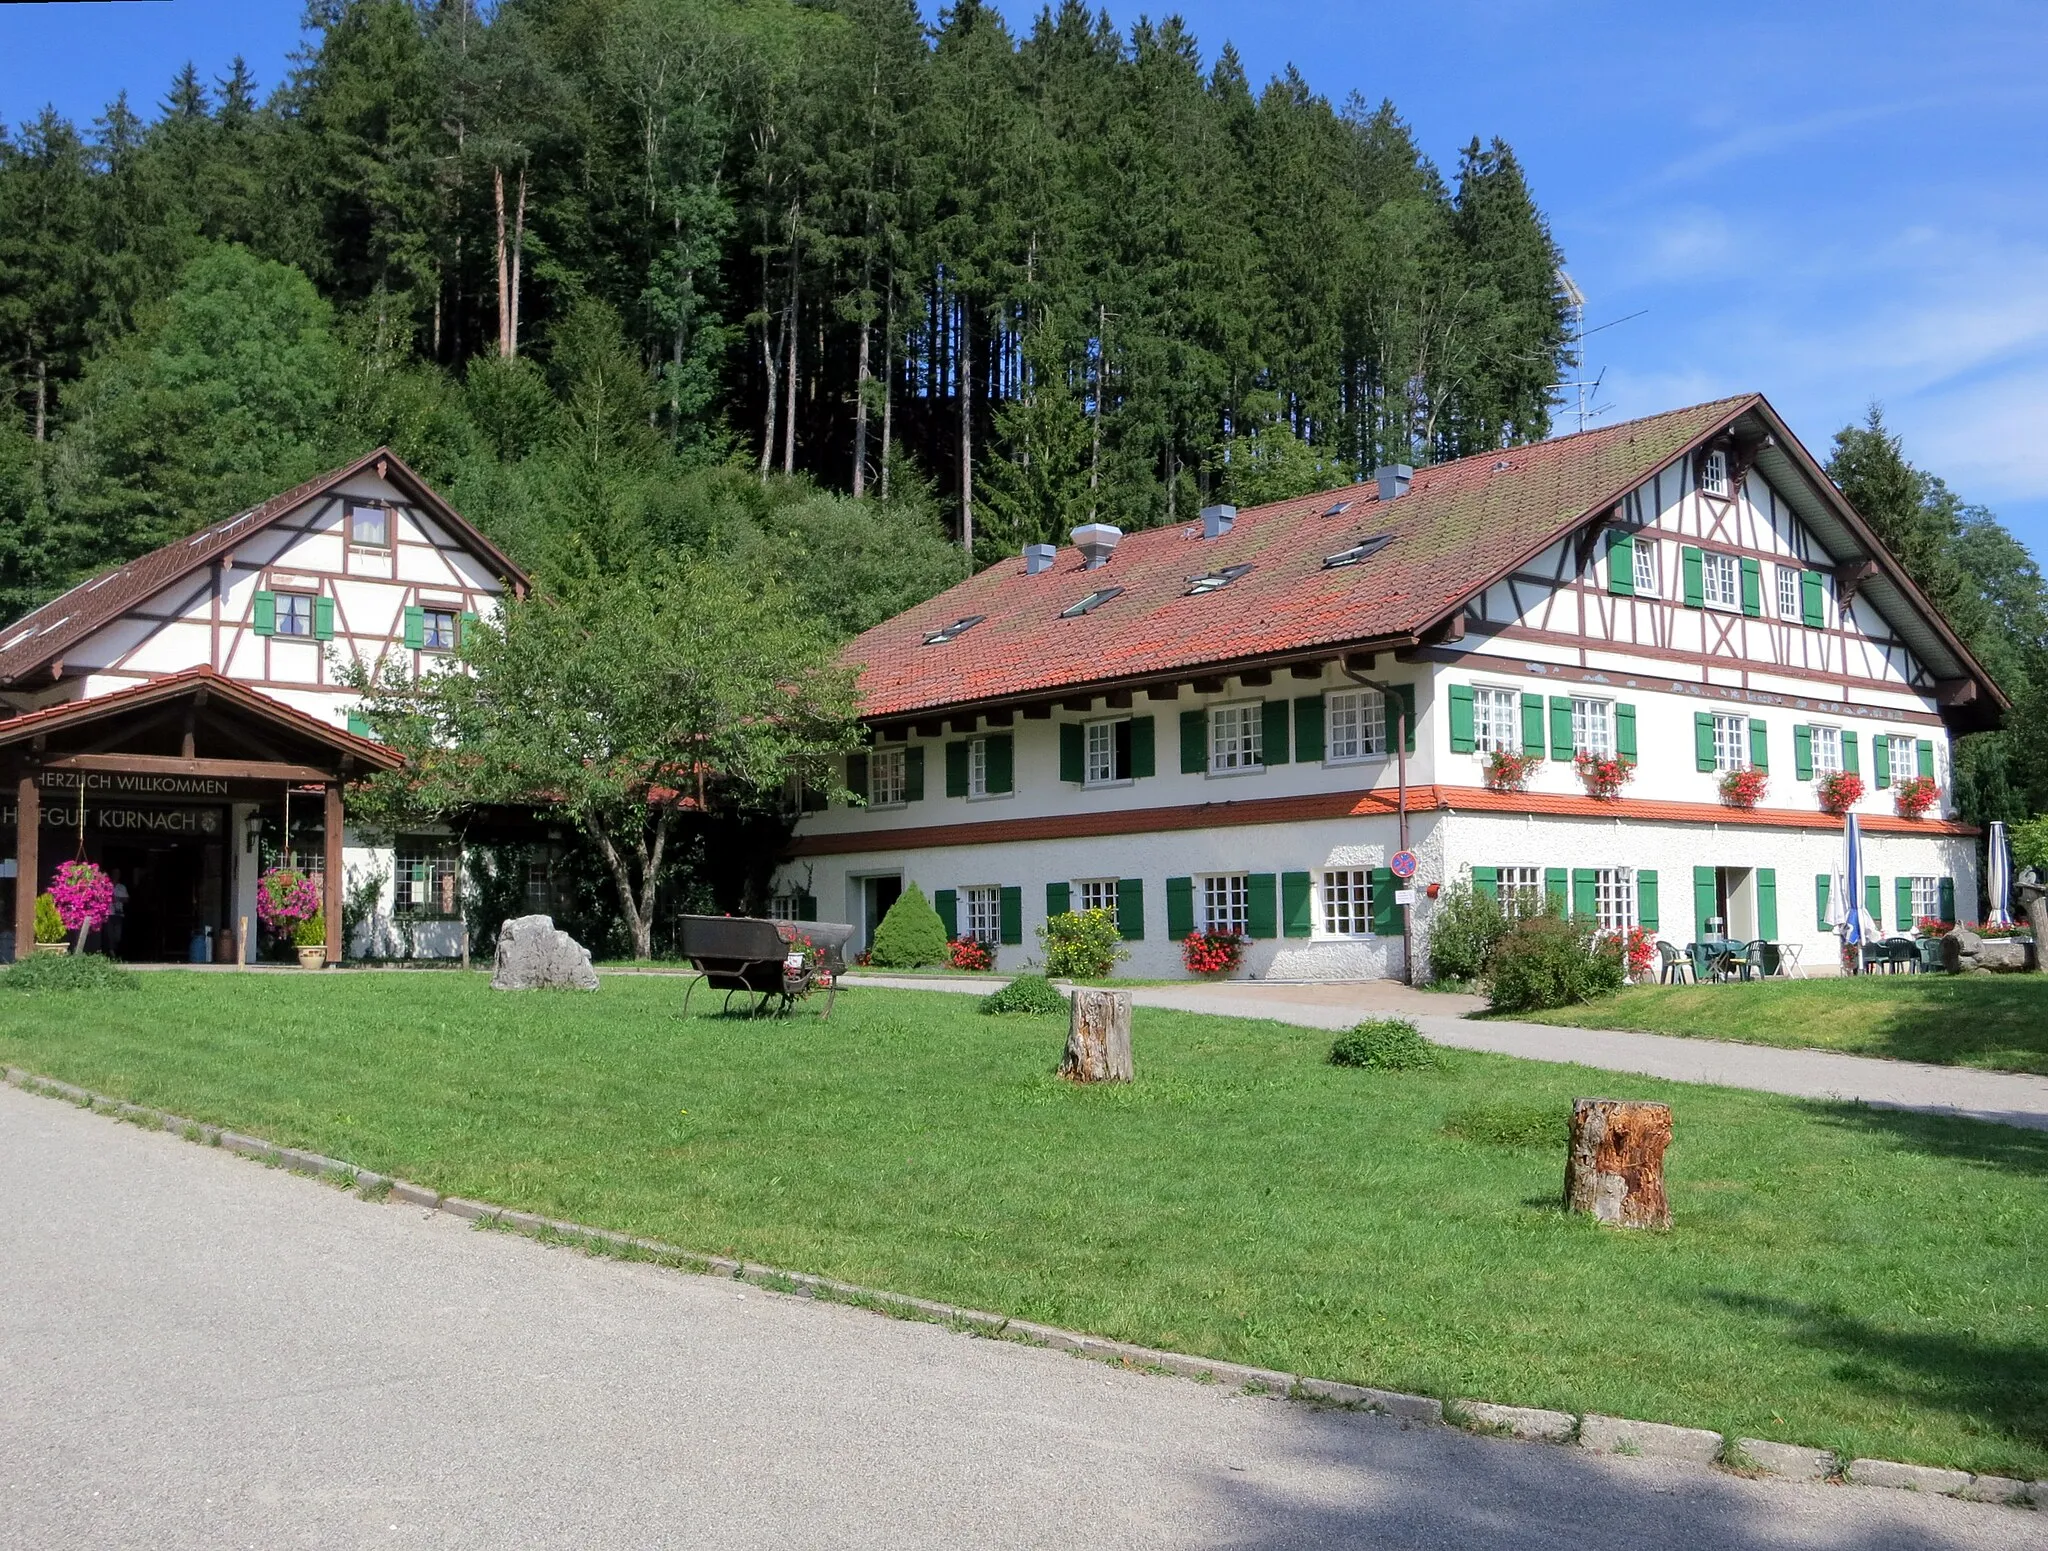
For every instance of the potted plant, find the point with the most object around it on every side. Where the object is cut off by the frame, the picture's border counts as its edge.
(310, 938)
(1914, 797)
(970, 953)
(49, 927)
(1744, 788)
(286, 899)
(1840, 790)
(1212, 953)
(1507, 771)
(1604, 774)
(84, 898)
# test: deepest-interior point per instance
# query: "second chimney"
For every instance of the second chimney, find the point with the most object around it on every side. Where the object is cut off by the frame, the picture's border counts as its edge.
(1097, 541)
(1216, 520)
(1038, 557)
(1394, 479)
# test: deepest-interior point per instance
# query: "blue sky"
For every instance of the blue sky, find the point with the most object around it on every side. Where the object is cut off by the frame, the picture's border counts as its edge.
(1832, 202)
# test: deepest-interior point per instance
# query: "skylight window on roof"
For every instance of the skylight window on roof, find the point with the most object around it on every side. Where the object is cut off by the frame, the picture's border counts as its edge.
(1338, 509)
(954, 631)
(16, 639)
(1091, 603)
(1358, 552)
(1213, 580)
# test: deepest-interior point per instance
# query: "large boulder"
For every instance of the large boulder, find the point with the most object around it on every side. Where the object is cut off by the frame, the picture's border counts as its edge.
(533, 956)
(1963, 952)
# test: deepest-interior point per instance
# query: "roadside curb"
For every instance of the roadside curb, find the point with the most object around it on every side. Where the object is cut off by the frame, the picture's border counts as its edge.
(1591, 1431)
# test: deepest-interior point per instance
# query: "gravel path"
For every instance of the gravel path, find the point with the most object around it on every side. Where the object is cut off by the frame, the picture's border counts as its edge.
(200, 1352)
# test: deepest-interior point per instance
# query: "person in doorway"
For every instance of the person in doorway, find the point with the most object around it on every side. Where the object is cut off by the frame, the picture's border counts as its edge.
(117, 918)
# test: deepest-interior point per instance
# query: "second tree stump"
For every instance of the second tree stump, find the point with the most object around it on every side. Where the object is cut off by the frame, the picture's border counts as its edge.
(1098, 1037)
(1615, 1170)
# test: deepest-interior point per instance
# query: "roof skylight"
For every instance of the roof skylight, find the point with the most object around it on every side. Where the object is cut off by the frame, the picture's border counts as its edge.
(954, 631)
(1337, 510)
(1358, 552)
(1213, 580)
(1091, 603)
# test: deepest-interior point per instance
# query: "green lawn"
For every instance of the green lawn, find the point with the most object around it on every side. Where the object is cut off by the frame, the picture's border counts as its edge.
(1869, 1282)
(1996, 1021)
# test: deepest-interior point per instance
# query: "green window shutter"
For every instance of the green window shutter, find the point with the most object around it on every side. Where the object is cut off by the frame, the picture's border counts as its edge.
(1260, 919)
(1556, 887)
(1812, 600)
(810, 799)
(323, 618)
(1059, 899)
(947, 903)
(1703, 739)
(1180, 907)
(1759, 743)
(415, 627)
(1584, 899)
(1463, 738)
(266, 613)
(1948, 899)
(1144, 761)
(1820, 902)
(1561, 727)
(1752, 587)
(1881, 759)
(913, 773)
(1486, 880)
(1902, 901)
(1194, 747)
(465, 629)
(857, 775)
(1130, 909)
(1386, 915)
(1767, 903)
(1873, 898)
(1308, 729)
(1532, 726)
(1802, 752)
(1010, 913)
(359, 724)
(1621, 564)
(1073, 760)
(956, 769)
(1405, 694)
(1273, 733)
(1852, 761)
(1692, 567)
(1705, 900)
(1002, 760)
(1646, 898)
(1625, 731)
(807, 907)
(1924, 753)
(1295, 917)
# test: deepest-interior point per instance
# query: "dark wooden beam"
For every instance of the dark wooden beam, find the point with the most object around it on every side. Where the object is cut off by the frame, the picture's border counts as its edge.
(1002, 716)
(1849, 579)
(28, 823)
(1305, 670)
(964, 724)
(932, 729)
(1208, 686)
(331, 843)
(1162, 692)
(1360, 662)
(1955, 691)
(1118, 700)
(1082, 703)
(165, 764)
(1038, 711)
(1256, 678)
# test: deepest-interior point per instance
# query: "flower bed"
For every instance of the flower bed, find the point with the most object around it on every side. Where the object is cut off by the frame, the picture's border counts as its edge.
(1928, 926)
(970, 953)
(1510, 772)
(1604, 776)
(1744, 788)
(1212, 953)
(1913, 798)
(1840, 791)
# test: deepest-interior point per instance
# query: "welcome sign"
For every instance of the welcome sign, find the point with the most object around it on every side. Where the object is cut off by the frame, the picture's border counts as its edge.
(121, 819)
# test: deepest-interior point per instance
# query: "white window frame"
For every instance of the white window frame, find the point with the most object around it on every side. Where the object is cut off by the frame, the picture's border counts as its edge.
(1926, 898)
(1614, 898)
(1496, 720)
(1593, 726)
(1903, 758)
(1098, 753)
(1224, 900)
(1645, 550)
(287, 614)
(355, 509)
(977, 767)
(432, 638)
(1818, 738)
(1345, 901)
(1523, 885)
(438, 857)
(1731, 742)
(1354, 726)
(782, 907)
(540, 887)
(1095, 894)
(1237, 737)
(888, 776)
(981, 908)
(1716, 568)
(1790, 604)
(1714, 473)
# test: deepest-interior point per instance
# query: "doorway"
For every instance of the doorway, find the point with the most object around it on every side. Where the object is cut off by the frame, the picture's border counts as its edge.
(176, 887)
(1735, 902)
(876, 896)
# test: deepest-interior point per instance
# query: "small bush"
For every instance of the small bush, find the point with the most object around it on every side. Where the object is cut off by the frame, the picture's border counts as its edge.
(911, 934)
(1463, 929)
(1510, 1125)
(1030, 995)
(1548, 961)
(971, 954)
(67, 972)
(1386, 1045)
(311, 932)
(1082, 944)
(49, 925)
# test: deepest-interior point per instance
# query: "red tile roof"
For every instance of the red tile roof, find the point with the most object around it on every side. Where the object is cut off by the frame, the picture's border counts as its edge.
(1459, 526)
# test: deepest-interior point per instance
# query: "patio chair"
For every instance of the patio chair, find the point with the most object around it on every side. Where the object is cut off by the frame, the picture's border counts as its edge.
(1905, 956)
(1876, 958)
(1930, 957)
(1676, 968)
(1706, 962)
(1761, 960)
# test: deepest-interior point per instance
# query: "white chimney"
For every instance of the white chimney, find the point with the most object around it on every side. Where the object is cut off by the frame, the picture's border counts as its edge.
(1216, 520)
(1097, 541)
(1038, 557)
(1393, 479)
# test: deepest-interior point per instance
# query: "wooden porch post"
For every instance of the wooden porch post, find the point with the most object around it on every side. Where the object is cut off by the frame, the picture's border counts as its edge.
(331, 892)
(28, 823)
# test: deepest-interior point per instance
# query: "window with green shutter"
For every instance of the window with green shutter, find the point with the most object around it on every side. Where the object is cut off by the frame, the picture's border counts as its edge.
(1585, 892)
(1486, 880)
(956, 768)
(807, 907)
(1752, 587)
(1180, 907)
(1532, 726)
(1924, 754)
(1873, 897)
(1692, 566)
(1058, 899)
(947, 903)
(1820, 902)
(1386, 914)
(1621, 563)
(415, 627)
(1557, 884)
(913, 773)
(1273, 737)
(323, 618)
(1902, 903)
(1703, 739)
(359, 724)
(1194, 747)
(1813, 611)
(1144, 760)
(1759, 743)
(1647, 913)
(1404, 694)
(1852, 762)
(1625, 731)
(1767, 903)
(465, 629)
(1002, 763)
(1561, 727)
(1261, 917)
(1948, 899)
(264, 618)
(1073, 767)
(1297, 919)
(1130, 909)
(1802, 752)
(1010, 910)
(1881, 759)
(857, 776)
(1308, 729)
(1463, 738)
(1706, 900)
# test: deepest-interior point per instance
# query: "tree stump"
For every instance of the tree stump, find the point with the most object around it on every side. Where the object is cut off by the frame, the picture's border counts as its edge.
(1098, 1037)
(1615, 1170)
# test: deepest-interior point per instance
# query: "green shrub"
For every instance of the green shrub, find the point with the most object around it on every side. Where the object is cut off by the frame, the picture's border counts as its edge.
(1386, 1045)
(311, 932)
(1082, 944)
(1463, 929)
(1510, 1125)
(1031, 995)
(911, 934)
(67, 972)
(49, 924)
(1546, 960)
(2029, 840)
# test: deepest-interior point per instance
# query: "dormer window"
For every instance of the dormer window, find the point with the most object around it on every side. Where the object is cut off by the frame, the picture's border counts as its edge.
(1714, 473)
(954, 631)
(1214, 580)
(369, 526)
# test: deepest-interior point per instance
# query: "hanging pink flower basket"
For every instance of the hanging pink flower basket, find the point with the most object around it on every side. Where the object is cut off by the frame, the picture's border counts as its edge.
(84, 896)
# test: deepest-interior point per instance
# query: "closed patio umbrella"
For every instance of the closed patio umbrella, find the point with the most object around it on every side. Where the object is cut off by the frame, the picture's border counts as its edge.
(1998, 876)
(1846, 913)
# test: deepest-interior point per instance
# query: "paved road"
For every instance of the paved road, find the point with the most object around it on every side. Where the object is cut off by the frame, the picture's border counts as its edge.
(2011, 1098)
(201, 1352)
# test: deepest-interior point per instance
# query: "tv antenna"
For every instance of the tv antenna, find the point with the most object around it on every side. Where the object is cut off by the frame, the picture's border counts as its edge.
(1585, 394)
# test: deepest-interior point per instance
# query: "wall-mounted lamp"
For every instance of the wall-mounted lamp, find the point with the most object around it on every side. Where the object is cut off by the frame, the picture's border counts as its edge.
(252, 828)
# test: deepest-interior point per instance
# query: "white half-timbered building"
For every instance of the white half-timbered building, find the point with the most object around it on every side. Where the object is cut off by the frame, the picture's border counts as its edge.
(145, 714)
(1197, 726)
